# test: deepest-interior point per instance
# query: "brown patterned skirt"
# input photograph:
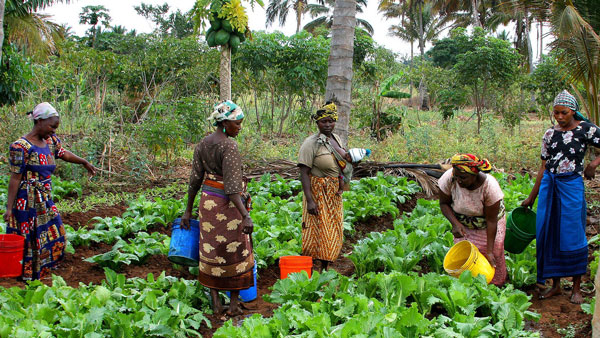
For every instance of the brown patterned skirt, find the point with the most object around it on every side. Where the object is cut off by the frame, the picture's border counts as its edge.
(226, 259)
(323, 234)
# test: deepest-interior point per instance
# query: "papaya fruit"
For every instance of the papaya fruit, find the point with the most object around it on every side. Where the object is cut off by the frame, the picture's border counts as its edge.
(210, 39)
(226, 25)
(234, 42)
(208, 31)
(215, 24)
(241, 36)
(221, 37)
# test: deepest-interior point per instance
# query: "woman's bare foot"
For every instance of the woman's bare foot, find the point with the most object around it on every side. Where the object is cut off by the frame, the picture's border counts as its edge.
(232, 312)
(576, 297)
(217, 306)
(555, 290)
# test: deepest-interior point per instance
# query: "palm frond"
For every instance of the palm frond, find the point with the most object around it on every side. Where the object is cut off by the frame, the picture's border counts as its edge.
(34, 34)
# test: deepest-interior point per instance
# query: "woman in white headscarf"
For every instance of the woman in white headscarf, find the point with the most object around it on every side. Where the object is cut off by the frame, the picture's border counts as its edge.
(30, 211)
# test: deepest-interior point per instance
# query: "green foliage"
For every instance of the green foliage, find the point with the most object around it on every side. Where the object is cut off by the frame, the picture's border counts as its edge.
(274, 185)
(547, 80)
(588, 308)
(62, 189)
(484, 62)
(278, 234)
(175, 24)
(450, 100)
(422, 238)
(136, 307)
(16, 73)
(135, 251)
(389, 305)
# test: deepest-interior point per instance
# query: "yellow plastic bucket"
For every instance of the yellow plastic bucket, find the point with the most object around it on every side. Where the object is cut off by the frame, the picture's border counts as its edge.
(465, 256)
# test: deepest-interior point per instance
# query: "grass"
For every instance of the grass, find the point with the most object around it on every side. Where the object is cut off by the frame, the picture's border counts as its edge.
(423, 138)
(429, 141)
(106, 198)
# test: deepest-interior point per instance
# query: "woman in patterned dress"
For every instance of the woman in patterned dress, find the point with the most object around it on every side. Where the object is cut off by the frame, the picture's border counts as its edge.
(30, 211)
(226, 258)
(562, 249)
(473, 203)
(320, 173)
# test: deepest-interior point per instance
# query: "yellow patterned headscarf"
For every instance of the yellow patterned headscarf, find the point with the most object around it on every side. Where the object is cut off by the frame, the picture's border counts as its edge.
(470, 163)
(328, 110)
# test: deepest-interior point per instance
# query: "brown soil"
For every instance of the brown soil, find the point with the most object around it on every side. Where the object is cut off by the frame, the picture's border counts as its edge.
(558, 313)
(79, 219)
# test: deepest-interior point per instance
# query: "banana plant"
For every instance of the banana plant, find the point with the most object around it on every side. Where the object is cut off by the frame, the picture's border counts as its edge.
(387, 90)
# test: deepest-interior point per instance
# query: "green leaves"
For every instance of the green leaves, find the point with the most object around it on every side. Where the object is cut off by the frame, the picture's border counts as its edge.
(136, 251)
(117, 308)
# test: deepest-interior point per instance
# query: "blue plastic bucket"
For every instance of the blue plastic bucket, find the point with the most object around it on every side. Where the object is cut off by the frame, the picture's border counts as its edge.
(184, 246)
(249, 294)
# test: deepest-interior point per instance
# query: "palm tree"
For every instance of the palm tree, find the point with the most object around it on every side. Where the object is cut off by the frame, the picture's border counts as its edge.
(27, 29)
(419, 21)
(576, 43)
(281, 8)
(523, 19)
(323, 17)
(408, 29)
(339, 74)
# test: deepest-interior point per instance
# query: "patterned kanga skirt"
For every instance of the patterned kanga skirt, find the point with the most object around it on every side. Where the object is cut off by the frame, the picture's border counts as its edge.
(226, 259)
(479, 238)
(323, 234)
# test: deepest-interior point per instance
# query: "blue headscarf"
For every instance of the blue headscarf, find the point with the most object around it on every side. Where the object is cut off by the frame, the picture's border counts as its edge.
(565, 99)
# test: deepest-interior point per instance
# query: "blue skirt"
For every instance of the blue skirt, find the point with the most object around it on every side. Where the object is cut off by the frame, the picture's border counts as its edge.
(562, 249)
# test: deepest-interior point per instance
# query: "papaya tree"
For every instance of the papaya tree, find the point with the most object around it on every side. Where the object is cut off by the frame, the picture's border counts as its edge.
(228, 28)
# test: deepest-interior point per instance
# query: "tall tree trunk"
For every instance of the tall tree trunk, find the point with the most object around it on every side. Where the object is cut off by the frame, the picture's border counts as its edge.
(299, 8)
(258, 126)
(2, 6)
(528, 43)
(475, 13)
(596, 318)
(225, 74)
(423, 100)
(411, 85)
(339, 74)
(541, 40)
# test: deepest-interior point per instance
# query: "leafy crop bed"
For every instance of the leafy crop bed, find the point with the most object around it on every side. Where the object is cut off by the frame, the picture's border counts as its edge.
(398, 288)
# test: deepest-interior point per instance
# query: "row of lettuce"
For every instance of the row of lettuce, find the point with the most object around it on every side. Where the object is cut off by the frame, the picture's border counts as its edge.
(399, 287)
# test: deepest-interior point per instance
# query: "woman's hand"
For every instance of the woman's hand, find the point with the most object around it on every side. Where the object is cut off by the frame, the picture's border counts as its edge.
(90, 168)
(7, 215)
(590, 171)
(311, 207)
(459, 231)
(247, 225)
(490, 257)
(528, 202)
(185, 219)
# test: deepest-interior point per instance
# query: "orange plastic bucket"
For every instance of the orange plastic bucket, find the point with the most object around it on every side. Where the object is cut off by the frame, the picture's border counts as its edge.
(289, 264)
(11, 255)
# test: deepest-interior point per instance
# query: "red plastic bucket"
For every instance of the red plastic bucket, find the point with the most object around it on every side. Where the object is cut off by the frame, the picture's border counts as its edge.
(11, 255)
(289, 264)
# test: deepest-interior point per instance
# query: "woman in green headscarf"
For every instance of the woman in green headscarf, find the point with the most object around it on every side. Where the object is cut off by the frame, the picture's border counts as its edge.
(226, 258)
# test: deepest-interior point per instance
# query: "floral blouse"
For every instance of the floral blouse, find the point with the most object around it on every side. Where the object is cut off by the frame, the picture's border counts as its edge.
(564, 151)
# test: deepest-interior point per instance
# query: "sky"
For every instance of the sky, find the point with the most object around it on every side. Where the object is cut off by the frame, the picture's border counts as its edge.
(123, 14)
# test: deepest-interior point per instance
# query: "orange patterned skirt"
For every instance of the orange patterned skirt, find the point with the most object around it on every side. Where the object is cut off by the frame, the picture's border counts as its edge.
(323, 234)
